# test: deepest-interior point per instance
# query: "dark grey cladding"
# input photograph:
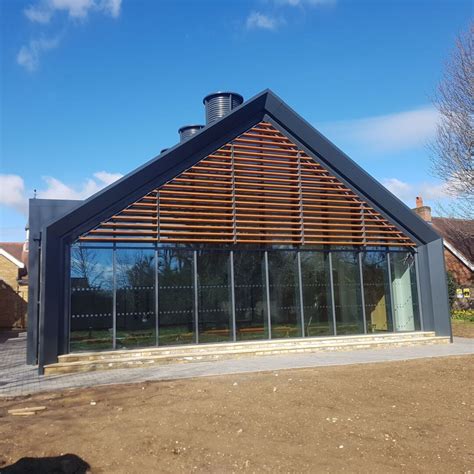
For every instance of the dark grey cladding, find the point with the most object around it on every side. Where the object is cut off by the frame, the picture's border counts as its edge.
(220, 104)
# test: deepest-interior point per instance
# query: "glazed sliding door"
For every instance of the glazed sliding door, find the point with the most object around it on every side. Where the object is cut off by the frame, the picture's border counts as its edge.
(91, 323)
(135, 297)
(347, 293)
(251, 317)
(175, 297)
(284, 294)
(405, 295)
(376, 292)
(214, 296)
(316, 282)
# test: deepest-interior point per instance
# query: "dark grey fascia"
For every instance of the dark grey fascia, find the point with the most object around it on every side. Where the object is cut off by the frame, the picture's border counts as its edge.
(41, 213)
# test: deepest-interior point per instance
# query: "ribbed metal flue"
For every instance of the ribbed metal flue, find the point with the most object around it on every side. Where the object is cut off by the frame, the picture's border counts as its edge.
(219, 104)
(186, 132)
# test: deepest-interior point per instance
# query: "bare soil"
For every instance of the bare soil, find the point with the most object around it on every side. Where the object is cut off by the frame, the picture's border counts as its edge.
(462, 328)
(414, 416)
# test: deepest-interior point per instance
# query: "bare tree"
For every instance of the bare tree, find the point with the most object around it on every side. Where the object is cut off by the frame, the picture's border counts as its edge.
(452, 149)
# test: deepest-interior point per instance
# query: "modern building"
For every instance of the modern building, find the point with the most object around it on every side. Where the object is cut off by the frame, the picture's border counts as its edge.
(252, 227)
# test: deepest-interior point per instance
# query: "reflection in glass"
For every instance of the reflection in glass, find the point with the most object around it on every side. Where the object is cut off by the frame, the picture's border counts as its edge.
(347, 294)
(284, 294)
(214, 303)
(404, 291)
(316, 294)
(91, 299)
(376, 291)
(250, 296)
(135, 296)
(175, 297)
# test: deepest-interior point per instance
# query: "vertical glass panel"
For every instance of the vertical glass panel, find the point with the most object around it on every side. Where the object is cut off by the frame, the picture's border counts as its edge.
(405, 295)
(250, 296)
(347, 293)
(376, 292)
(135, 293)
(284, 294)
(175, 297)
(316, 294)
(214, 303)
(91, 299)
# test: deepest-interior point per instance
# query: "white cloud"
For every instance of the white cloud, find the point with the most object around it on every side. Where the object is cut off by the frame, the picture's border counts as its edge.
(111, 7)
(29, 55)
(407, 192)
(257, 20)
(106, 177)
(44, 10)
(393, 132)
(13, 194)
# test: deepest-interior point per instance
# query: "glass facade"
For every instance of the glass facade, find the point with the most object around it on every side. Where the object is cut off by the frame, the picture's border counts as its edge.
(251, 314)
(347, 293)
(135, 298)
(404, 290)
(92, 299)
(140, 296)
(376, 292)
(176, 322)
(316, 283)
(214, 297)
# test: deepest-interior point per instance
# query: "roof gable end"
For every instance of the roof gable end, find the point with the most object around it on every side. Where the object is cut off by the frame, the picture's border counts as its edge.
(182, 156)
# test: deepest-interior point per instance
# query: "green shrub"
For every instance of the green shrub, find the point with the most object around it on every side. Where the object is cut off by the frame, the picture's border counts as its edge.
(463, 315)
(452, 285)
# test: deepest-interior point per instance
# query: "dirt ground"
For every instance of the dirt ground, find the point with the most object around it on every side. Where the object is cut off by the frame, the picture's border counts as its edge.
(463, 328)
(414, 416)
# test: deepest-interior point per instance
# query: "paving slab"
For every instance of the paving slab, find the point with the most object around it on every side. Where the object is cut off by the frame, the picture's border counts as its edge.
(18, 379)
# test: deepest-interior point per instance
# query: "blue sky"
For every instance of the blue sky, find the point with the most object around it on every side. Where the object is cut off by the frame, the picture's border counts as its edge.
(90, 89)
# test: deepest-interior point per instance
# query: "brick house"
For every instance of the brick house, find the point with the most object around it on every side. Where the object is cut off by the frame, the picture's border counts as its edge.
(458, 240)
(13, 284)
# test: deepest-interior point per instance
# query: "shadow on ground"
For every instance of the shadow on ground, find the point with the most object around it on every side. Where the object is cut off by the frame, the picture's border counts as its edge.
(9, 334)
(66, 464)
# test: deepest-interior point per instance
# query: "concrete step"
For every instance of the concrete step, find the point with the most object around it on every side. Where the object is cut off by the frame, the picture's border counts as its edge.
(236, 346)
(317, 345)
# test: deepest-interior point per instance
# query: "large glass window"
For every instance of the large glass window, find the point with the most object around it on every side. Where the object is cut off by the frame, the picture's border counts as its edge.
(376, 291)
(214, 302)
(316, 294)
(347, 293)
(193, 296)
(251, 316)
(284, 294)
(404, 291)
(91, 299)
(135, 296)
(175, 297)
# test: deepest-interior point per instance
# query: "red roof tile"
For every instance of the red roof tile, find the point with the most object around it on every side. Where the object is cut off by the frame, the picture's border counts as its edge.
(458, 232)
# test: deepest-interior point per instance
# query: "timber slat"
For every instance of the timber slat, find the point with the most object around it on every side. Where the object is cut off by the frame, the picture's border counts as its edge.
(258, 189)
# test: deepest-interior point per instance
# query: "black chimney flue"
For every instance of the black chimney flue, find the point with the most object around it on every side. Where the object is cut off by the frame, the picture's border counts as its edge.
(219, 104)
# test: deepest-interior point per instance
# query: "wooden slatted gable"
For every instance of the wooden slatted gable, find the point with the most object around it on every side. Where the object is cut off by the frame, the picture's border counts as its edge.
(258, 189)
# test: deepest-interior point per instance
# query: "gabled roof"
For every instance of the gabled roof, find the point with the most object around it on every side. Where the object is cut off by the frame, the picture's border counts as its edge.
(264, 106)
(13, 251)
(458, 235)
